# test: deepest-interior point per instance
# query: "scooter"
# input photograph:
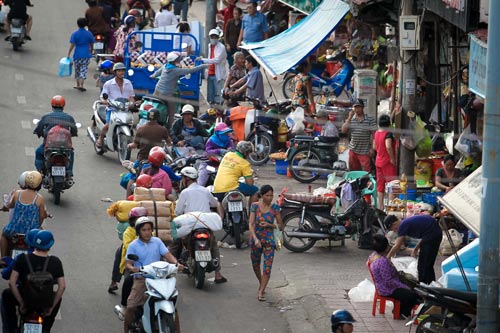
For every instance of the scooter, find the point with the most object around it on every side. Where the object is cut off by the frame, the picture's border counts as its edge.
(120, 132)
(305, 223)
(158, 312)
(200, 259)
(308, 157)
(19, 245)
(458, 310)
(235, 221)
(99, 46)
(32, 321)
(17, 33)
(155, 103)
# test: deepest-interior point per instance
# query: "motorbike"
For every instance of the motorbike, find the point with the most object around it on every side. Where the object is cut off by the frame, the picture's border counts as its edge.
(155, 103)
(100, 46)
(158, 312)
(17, 33)
(120, 132)
(304, 223)
(55, 178)
(334, 85)
(200, 259)
(235, 221)
(261, 128)
(19, 245)
(458, 310)
(31, 321)
(213, 163)
(308, 157)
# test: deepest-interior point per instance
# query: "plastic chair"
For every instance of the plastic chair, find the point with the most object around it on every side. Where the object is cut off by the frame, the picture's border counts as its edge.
(352, 175)
(382, 299)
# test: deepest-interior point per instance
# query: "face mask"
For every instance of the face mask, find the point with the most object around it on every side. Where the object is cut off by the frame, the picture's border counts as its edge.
(213, 41)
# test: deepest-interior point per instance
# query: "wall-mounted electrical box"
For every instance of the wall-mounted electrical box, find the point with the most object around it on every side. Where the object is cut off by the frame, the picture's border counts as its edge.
(409, 32)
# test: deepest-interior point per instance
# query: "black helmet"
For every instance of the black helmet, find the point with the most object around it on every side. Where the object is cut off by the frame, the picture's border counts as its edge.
(341, 317)
(153, 114)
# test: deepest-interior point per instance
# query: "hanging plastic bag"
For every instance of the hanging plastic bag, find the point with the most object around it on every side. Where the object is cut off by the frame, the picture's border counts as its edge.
(65, 67)
(363, 292)
(295, 121)
(468, 143)
(419, 130)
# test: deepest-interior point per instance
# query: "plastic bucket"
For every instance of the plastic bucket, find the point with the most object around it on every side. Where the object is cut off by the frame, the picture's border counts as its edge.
(281, 167)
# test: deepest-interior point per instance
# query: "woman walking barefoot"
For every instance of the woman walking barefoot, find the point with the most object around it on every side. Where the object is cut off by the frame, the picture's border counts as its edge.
(262, 216)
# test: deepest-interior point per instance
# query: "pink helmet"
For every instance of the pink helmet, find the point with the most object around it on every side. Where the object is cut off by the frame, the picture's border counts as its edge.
(222, 128)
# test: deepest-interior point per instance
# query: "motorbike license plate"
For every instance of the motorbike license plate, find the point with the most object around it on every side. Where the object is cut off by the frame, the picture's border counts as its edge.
(202, 255)
(234, 206)
(17, 252)
(15, 30)
(58, 171)
(98, 45)
(32, 328)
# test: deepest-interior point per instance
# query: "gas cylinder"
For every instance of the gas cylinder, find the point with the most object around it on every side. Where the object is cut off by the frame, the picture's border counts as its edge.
(282, 132)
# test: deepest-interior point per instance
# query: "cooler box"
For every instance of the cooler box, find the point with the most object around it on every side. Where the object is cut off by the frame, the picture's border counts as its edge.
(237, 117)
(453, 279)
(469, 257)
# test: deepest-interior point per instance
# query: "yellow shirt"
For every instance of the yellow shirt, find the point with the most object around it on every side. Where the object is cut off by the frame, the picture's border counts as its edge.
(128, 236)
(231, 168)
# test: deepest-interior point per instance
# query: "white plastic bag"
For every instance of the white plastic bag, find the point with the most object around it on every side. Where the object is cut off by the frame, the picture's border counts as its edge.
(363, 292)
(445, 246)
(183, 224)
(468, 143)
(406, 264)
(295, 121)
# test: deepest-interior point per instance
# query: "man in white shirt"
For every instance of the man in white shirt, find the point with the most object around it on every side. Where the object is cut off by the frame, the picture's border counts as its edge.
(165, 16)
(217, 68)
(196, 198)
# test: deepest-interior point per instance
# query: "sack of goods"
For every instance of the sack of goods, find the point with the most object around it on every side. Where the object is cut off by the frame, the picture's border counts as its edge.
(58, 137)
(121, 209)
(143, 194)
(182, 225)
(161, 218)
(163, 208)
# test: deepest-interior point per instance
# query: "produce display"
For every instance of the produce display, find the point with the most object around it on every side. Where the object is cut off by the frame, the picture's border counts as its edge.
(157, 59)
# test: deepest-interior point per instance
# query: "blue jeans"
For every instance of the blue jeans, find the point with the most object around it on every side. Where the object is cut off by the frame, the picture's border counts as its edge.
(247, 190)
(181, 6)
(40, 160)
(214, 89)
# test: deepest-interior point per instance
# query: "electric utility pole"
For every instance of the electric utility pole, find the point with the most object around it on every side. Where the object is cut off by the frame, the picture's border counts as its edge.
(408, 87)
(210, 14)
(489, 237)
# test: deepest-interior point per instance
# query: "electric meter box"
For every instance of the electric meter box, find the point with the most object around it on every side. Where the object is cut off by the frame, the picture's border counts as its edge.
(409, 32)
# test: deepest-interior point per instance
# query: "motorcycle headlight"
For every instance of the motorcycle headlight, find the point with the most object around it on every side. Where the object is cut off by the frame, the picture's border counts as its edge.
(161, 273)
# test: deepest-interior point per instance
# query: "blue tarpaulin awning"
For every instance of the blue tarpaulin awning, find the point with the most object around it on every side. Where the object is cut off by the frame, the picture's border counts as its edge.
(284, 51)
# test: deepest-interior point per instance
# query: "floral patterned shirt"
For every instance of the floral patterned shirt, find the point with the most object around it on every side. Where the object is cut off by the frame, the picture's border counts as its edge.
(385, 275)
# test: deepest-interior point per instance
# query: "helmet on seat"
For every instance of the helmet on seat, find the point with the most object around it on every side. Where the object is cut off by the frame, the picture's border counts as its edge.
(58, 101)
(222, 128)
(156, 156)
(129, 20)
(141, 221)
(22, 179)
(43, 240)
(30, 237)
(118, 66)
(144, 181)
(33, 180)
(189, 172)
(244, 147)
(339, 317)
(105, 65)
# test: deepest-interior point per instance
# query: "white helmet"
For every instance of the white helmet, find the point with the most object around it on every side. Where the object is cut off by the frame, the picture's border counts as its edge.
(22, 179)
(186, 109)
(190, 172)
(172, 56)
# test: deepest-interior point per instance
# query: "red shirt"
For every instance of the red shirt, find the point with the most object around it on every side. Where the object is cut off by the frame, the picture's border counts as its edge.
(383, 157)
(211, 67)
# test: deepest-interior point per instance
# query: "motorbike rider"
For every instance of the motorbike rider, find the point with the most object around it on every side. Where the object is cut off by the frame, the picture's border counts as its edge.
(96, 19)
(160, 177)
(43, 241)
(18, 10)
(342, 321)
(56, 117)
(118, 87)
(149, 135)
(233, 166)
(187, 131)
(217, 145)
(106, 73)
(145, 5)
(148, 249)
(196, 198)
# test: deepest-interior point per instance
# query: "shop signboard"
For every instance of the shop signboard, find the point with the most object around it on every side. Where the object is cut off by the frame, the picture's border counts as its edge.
(305, 7)
(464, 200)
(462, 13)
(477, 66)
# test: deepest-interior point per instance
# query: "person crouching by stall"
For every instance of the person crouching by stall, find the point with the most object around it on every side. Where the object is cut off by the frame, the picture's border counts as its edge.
(448, 176)
(425, 228)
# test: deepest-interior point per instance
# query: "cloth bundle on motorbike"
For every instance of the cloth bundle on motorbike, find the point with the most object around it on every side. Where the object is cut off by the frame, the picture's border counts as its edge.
(163, 208)
(121, 209)
(58, 137)
(160, 212)
(144, 194)
(184, 224)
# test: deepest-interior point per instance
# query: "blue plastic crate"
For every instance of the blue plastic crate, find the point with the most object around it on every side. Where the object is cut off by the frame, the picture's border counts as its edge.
(431, 198)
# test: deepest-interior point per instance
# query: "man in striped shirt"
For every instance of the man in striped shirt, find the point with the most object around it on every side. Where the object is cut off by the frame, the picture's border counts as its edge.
(361, 128)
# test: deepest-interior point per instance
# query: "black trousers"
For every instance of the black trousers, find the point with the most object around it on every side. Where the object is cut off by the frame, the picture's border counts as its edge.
(408, 299)
(426, 258)
(9, 314)
(128, 281)
(116, 276)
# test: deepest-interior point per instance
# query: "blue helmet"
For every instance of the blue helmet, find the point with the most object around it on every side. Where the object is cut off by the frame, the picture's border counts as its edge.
(43, 240)
(105, 65)
(341, 317)
(30, 237)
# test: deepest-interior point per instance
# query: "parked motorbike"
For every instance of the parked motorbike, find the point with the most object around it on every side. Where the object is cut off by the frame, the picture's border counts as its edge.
(55, 178)
(200, 259)
(261, 128)
(17, 33)
(335, 85)
(308, 157)
(120, 132)
(305, 223)
(235, 221)
(158, 312)
(458, 310)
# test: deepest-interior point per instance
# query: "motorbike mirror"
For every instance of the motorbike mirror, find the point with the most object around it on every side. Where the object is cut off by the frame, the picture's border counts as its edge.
(130, 72)
(151, 68)
(132, 257)
(78, 125)
(36, 121)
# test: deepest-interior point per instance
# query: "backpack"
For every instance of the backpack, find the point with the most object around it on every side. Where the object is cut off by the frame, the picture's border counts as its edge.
(39, 288)
(58, 137)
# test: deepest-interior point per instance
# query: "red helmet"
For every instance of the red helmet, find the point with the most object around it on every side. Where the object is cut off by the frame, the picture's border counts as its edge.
(58, 101)
(144, 181)
(156, 157)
